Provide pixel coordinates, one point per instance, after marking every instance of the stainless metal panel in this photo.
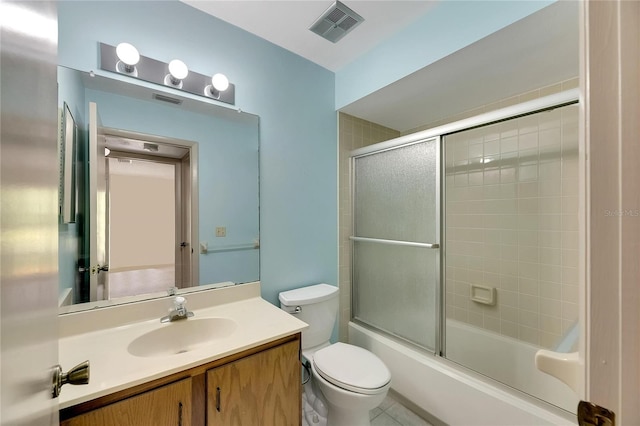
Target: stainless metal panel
(28, 212)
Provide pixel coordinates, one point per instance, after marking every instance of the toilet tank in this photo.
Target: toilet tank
(317, 305)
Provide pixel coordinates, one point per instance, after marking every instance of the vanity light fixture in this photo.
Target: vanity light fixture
(124, 59)
(219, 83)
(128, 58)
(178, 71)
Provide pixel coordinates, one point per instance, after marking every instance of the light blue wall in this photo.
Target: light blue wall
(293, 97)
(227, 174)
(71, 91)
(445, 29)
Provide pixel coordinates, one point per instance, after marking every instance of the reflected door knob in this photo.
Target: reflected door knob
(98, 268)
(78, 375)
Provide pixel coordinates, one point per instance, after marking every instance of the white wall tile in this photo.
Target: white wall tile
(529, 319)
(528, 334)
(509, 328)
(529, 286)
(550, 324)
(522, 188)
(550, 256)
(570, 293)
(551, 273)
(528, 124)
(550, 307)
(509, 282)
(508, 298)
(528, 190)
(550, 290)
(569, 311)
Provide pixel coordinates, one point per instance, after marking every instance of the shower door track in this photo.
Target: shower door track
(557, 100)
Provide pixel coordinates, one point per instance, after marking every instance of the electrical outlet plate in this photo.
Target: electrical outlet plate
(221, 231)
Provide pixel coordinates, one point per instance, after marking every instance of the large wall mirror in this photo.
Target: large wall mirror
(167, 194)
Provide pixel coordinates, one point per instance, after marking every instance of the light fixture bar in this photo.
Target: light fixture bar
(155, 71)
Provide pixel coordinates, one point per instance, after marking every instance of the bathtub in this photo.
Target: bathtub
(457, 396)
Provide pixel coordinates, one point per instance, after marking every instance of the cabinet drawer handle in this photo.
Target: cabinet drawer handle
(180, 414)
(218, 399)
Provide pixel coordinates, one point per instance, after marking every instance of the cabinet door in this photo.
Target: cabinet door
(260, 390)
(166, 406)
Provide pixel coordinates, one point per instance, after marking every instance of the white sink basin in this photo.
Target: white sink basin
(181, 336)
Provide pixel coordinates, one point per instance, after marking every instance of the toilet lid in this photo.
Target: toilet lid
(351, 367)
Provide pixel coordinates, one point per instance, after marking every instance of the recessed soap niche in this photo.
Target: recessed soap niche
(484, 295)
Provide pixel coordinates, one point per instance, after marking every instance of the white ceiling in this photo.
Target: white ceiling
(286, 24)
(538, 50)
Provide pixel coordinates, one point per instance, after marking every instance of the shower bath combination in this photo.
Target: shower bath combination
(469, 231)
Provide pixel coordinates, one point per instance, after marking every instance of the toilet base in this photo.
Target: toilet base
(346, 408)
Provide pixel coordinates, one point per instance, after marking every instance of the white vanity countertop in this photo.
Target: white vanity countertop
(113, 368)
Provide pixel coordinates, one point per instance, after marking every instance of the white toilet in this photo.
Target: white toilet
(350, 379)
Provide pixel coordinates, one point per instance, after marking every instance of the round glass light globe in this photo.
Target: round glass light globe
(220, 82)
(178, 69)
(127, 53)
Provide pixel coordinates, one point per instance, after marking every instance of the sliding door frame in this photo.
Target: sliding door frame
(554, 101)
(436, 244)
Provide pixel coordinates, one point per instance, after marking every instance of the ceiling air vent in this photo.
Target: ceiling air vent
(336, 22)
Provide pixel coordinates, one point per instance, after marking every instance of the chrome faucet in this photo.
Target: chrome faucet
(178, 312)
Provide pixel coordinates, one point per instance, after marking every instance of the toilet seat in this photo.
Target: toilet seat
(352, 368)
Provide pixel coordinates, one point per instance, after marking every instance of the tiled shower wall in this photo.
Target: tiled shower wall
(356, 133)
(511, 216)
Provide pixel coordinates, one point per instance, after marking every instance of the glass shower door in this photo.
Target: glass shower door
(395, 271)
(512, 248)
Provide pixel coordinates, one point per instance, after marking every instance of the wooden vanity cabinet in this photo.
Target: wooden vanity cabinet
(261, 389)
(166, 405)
(257, 387)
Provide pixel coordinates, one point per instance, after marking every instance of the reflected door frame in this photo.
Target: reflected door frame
(182, 261)
(189, 206)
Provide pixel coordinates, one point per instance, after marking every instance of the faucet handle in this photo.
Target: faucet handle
(179, 302)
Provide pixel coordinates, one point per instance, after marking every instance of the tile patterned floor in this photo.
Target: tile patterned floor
(393, 413)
